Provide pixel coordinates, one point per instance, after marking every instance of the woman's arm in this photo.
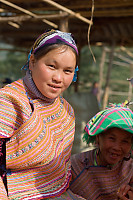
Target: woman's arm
(3, 194)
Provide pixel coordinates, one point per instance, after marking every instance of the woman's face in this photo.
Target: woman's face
(114, 144)
(53, 72)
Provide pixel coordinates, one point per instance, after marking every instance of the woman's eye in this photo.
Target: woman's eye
(68, 71)
(111, 138)
(52, 66)
(126, 141)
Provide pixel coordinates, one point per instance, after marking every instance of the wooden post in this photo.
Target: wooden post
(101, 73)
(63, 26)
(130, 85)
(106, 92)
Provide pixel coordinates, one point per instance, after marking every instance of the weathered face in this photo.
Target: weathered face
(53, 72)
(114, 145)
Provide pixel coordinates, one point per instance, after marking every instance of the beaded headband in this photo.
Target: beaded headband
(54, 37)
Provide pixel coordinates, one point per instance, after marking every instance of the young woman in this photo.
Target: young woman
(38, 124)
(106, 172)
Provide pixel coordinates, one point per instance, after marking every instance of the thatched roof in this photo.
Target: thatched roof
(112, 20)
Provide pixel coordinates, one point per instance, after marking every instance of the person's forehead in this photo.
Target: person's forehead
(118, 132)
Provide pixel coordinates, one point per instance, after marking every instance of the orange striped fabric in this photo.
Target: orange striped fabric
(41, 138)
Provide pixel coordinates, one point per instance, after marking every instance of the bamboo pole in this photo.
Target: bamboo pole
(129, 53)
(77, 15)
(111, 92)
(130, 61)
(121, 64)
(13, 24)
(111, 13)
(28, 12)
(27, 17)
(123, 58)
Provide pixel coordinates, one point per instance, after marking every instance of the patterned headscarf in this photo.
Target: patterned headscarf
(117, 115)
(54, 37)
(49, 38)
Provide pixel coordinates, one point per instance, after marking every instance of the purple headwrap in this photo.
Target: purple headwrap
(54, 37)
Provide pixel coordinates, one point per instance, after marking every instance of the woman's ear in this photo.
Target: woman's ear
(31, 62)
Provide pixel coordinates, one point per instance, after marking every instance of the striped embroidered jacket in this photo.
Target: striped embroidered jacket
(41, 133)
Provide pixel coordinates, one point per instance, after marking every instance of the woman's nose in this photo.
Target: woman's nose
(58, 76)
(118, 146)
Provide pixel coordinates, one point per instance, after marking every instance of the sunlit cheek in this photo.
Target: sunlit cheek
(68, 81)
(71, 79)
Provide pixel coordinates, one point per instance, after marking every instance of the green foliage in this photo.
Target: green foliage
(11, 63)
(121, 70)
(89, 69)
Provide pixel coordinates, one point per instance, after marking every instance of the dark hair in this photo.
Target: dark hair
(7, 80)
(47, 48)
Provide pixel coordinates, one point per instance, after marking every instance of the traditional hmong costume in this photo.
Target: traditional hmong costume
(40, 135)
(91, 180)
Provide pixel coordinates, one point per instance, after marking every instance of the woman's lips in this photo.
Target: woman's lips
(54, 86)
(114, 155)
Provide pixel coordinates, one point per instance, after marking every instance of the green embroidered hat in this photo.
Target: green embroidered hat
(117, 115)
